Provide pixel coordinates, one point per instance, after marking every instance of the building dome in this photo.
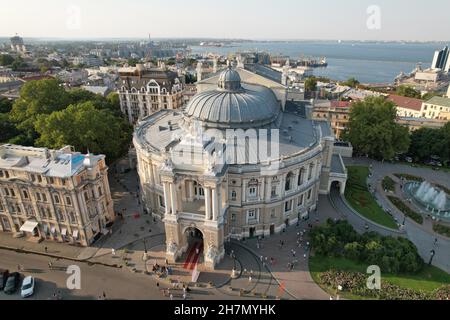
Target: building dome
(230, 80)
(234, 105)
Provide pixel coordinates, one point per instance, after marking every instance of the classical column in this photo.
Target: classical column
(215, 204)
(166, 197)
(191, 190)
(207, 203)
(173, 195)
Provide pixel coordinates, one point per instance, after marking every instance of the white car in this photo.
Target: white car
(27, 287)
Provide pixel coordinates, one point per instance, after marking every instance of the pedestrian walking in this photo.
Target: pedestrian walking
(197, 251)
(304, 256)
(113, 252)
(104, 295)
(171, 296)
(45, 249)
(50, 265)
(184, 296)
(157, 285)
(250, 279)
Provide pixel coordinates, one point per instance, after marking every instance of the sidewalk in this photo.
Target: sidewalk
(54, 249)
(298, 282)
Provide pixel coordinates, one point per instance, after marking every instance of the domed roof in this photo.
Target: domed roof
(230, 80)
(234, 105)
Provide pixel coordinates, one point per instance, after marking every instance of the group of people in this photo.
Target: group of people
(162, 270)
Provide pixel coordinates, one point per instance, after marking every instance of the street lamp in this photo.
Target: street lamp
(432, 253)
(145, 258)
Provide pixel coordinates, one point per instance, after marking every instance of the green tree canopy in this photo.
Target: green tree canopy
(36, 98)
(426, 142)
(310, 84)
(6, 59)
(85, 127)
(407, 91)
(373, 131)
(352, 82)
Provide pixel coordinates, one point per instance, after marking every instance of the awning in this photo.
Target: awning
(45, 228)
(75, 234)
(29, 226)
(63, 231)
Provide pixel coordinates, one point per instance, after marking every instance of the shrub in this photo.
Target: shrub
(356, 283)
(337, 239)
(388, 184)
(406, 210)
(441, 229)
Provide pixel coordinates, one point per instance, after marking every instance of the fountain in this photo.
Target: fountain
(430, 198)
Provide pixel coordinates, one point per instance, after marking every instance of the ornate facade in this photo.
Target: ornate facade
(144, 91)
(233, 164)
(54, 194)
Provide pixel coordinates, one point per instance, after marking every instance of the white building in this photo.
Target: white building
(57, 195)
(144, 91)
(236, 163)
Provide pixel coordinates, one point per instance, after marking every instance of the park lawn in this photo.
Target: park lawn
(362, 200)
(429, 279)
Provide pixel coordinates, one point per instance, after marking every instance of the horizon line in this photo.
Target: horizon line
(218, 38)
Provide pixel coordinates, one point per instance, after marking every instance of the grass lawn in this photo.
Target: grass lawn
(429, 279)
(362, 200)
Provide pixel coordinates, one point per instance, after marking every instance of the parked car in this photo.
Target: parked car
(409, 159)
(28, 285)
(3, 277)
(12, 283)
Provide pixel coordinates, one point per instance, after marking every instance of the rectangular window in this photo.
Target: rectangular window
(56, 197)
(252, 191)
(13, 194)
(300, 201)
(68, 201)
(273, 192)
(309, 194)
(44, 197)
(161, 202)
(288, 206)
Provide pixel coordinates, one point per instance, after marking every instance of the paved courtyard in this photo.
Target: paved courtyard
(264, 267)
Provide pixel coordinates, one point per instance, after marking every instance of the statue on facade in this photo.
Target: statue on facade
(172, 248)
(212, 252)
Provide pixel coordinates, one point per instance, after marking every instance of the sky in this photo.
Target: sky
(412, 20)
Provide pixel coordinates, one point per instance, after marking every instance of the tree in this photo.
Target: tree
(407, 91)
(7, 128)
(85, 127)
(6, 59)
(426, 142)
(310, 84)
(352, 82)
(373, 131)
(36, 98)
(5, 105)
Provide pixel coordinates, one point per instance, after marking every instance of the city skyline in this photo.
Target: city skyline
(381, 21)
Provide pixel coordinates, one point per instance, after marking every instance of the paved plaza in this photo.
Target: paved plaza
(274, 267)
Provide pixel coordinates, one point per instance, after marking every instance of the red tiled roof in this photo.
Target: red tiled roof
(340, 104)
(405, 102)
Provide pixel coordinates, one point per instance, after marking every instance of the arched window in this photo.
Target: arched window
(301, 175)
(289, 178)
(311, 169)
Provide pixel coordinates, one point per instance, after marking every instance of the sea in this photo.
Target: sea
(368, 62)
